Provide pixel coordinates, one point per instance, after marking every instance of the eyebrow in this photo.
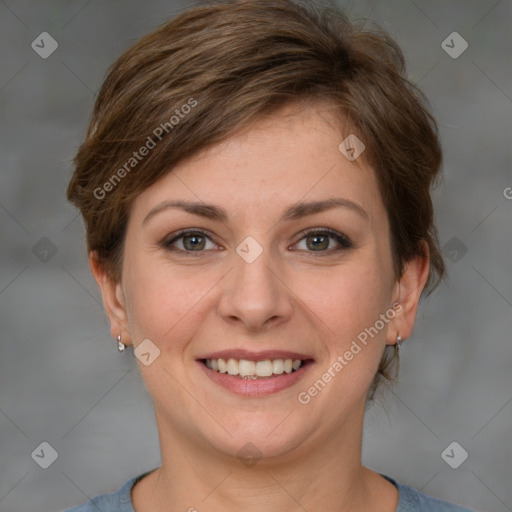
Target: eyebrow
(294, 212)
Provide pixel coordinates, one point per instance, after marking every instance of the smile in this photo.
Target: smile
(255, 374)
(246, 369)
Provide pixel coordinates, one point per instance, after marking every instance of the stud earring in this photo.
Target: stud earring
(120, 346)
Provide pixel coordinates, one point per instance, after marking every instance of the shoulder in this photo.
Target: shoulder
(117, 501)
(412, 500)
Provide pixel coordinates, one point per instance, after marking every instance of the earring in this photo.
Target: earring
(120, 346)
(398, 341)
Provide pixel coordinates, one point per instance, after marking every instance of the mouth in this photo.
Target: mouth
(254, 374)
(252, 370)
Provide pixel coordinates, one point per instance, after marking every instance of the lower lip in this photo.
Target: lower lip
(256, 387)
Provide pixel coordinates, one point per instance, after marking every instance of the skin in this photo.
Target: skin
(290, 298)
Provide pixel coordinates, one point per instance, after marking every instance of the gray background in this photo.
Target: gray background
(61, 378)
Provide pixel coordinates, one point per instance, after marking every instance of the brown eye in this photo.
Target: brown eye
(321, 241)
(189, 241)
(317, 242)
(193, 242)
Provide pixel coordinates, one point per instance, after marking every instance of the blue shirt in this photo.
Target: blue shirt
(409, 500)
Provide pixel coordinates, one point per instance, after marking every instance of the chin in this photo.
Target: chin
(256, 435)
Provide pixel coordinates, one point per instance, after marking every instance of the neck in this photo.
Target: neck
(327, 475)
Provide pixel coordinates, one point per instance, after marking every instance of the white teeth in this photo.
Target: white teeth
(223, 367)
(233, 367)
(278, 366)
(264, 368)
(246, 369)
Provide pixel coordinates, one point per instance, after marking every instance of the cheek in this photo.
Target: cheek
(168, 303)
(351, 299)
(348, 305)
(164, 301)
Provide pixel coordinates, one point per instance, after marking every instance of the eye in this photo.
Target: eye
(316, 240)
(190, 241)
(319, 240)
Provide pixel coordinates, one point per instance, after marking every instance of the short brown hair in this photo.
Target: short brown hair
(223, 65)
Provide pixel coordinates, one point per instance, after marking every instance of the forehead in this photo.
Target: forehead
(289, 156)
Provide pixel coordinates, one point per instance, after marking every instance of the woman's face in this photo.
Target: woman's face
(245, 278)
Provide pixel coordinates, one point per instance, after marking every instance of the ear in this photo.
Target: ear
(113, 299)
(408, 293)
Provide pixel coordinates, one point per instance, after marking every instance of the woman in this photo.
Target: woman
(255, 184)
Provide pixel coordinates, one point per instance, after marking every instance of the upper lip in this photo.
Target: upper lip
(255, 356)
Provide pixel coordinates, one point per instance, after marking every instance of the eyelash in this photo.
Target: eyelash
(343, 240)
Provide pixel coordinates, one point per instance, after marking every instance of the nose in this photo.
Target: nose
(255, 295)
